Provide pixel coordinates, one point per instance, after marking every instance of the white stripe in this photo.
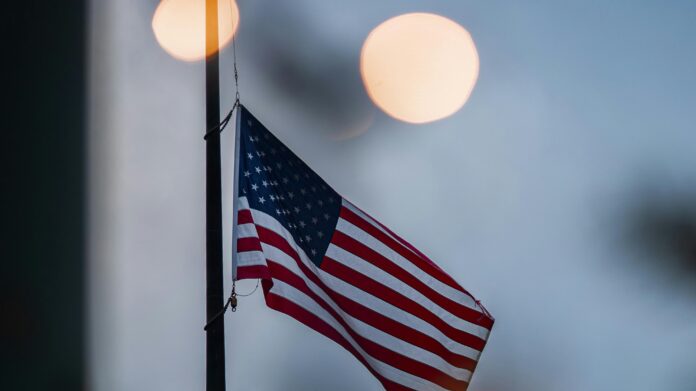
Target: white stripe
(353, 293)
(365, 330)
(396, 314)
(248, 258)
(243, 203)
(349, 205)
(251, 258)
(282, 289)
(264, 220)
(370, 241)
(247, 231)
(358, 264)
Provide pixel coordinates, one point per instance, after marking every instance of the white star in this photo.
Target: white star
(309, 205)
(314, 252)
(273, 151)
(277, 211)
(264, 183)
(258, 170)
(303, 191)
(247, 173)
(326, 216)
(315, 220)
(320, 234)
(272, 197)
(308, 238)
(251, 138)
(285, 180)
(249, 122)
(254, 187)
(302, 224)
(250, 156)
(291, 195)
(320, 202)
(297, 210)
(261, 200)
(279, 165)
(314, 189)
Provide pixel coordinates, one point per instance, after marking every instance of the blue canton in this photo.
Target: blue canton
(277, 182)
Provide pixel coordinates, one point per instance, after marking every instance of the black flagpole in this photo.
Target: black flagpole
(215, 333)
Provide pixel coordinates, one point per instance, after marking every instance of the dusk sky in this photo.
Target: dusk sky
(582, 114)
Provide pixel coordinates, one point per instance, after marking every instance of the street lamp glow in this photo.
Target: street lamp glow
(419, 67)
(179, 27)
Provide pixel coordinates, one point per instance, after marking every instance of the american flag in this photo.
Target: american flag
(334, 268)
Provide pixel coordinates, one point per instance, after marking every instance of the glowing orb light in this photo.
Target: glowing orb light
(179, 27)
(419, 67)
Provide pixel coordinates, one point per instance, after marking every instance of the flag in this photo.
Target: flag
(334, 268)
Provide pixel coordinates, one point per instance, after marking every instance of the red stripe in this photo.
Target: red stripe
(248, 244)
(410, 247)
(244, 217)
(288, 307)
(396, 299)
(402, 248)
(369, 255)
(365, 314)
(375, 350)
(419, 259)
(255, 271)
(401, 331)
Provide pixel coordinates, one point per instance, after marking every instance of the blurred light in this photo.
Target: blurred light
(419, 67)
(179, 26)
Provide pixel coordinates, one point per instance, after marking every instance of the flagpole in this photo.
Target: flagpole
(235, 188)
(215, 333)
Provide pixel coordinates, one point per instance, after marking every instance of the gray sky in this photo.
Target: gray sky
(581, 110)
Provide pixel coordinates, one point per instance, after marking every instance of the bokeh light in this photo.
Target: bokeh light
(419, 67)
(179, 26)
